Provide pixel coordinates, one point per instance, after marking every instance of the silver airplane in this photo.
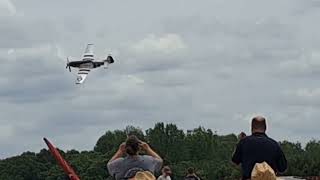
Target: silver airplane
(87, 63)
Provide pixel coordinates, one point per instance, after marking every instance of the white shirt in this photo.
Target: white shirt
(162, 177)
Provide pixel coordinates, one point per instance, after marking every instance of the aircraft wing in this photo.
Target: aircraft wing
(88, 53)
(82, 75)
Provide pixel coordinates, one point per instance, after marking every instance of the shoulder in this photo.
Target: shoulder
(116, 161)
(115, 165)
(275, 144)
(249, 140)
(164, 178)
(160, 177)
(257, 138)
(273, 141)
(148, 158)
(245, 140)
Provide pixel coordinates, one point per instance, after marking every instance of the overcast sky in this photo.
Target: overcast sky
(212, 63)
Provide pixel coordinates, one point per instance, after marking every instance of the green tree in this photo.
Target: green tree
(110, 141)
(208, 152)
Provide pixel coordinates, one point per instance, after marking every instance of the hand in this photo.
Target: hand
(144, 146)
(121, 151)
(242, 135)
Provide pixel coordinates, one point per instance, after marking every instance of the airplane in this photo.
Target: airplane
(87, 63)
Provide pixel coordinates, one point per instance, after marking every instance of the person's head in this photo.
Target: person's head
(258, 124)
(190, 170)
(143, 175)
(166, 170)
(262, 171)
(132, 145)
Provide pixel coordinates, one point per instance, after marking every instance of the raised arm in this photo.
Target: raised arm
(120, 152)
(236, 156)
(144, 146)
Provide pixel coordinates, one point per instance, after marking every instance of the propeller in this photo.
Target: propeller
(61, 55)
(68, 64)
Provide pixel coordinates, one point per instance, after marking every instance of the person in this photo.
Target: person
(143, 175)
(258, 148)
(191, 175)
(126, 167)
(166, 172)
(262, 171)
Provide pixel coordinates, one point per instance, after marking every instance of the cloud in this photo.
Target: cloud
(307, 63)
(6, 132)
(308, 93)
(7, 8)
(135, 79)
(10, 51)
(23, 32)
(37, 72)
(303, 97)
(205, 64)
(167, 43)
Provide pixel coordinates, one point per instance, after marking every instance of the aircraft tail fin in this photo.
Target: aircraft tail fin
(109, 59)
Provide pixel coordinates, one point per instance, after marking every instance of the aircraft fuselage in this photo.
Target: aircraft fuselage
(88, 63)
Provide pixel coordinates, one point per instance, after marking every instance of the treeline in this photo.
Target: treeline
(201, 148)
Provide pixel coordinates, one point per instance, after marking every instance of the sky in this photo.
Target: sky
(209, 63)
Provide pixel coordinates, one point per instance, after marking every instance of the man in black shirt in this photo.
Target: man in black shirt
(258, 148)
